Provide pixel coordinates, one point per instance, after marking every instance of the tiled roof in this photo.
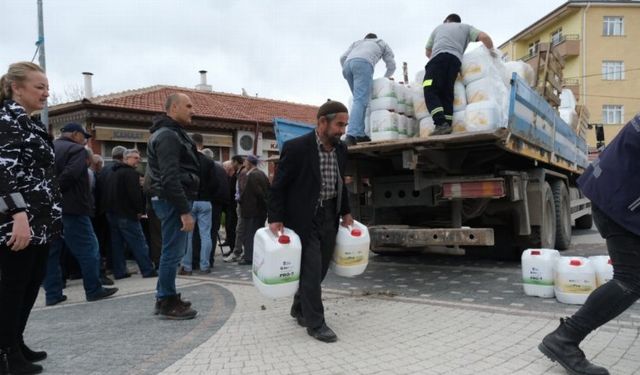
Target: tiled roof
(216, 105)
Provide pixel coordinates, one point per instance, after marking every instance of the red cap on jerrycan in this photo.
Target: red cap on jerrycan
(355, 232)
(284, 239)
(575, 262)
(535, 252)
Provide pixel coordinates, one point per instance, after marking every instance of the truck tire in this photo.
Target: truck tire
(544, 236)
(584, 222)
(563, 214)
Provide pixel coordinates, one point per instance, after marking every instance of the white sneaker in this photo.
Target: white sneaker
(231, 258)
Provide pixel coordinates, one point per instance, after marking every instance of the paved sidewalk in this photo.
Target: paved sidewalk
(238, 331)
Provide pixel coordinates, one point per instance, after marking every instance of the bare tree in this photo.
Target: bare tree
(70, 93)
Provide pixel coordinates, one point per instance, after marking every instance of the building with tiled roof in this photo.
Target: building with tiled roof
(228, 122)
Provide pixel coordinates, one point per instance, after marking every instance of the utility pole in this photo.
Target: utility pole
(44, 117)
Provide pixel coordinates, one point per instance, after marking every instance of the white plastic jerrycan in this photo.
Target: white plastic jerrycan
(604, 268)
(538, 267)
(575, 280)
(276, 262)
(351, 255)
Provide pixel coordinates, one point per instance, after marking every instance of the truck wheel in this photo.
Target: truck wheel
(544, 236)
(584, 222)
(563, 214)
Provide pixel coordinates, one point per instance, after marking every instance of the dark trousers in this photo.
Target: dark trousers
(230, 223)
(317, 250)
(252, 224)
(21, 275)
(153, 232)
(439, 77)
(216, 213)
(102, 231)
(614, 297)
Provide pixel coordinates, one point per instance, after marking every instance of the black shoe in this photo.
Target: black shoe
(13, 362)
(104, 293)
(442, 129)
(297, 315)
(104, 280)
(151, 274)
(125, 276)
(561, 346)
(30, 355)
(322, 333)
(57, 301)
(174, 308)
(350, 140)
(183, 272)
(244, 262)
(204, 272)
(363, 139)
(184, 302)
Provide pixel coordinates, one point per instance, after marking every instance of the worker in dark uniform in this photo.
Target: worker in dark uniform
(444, 49)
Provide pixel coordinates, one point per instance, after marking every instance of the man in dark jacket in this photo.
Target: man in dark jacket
(201, 211)
(77, 209)
(173, 173)
(309, 195)
(219, 201)
(124, 210)
(253, 205)
(611, 183)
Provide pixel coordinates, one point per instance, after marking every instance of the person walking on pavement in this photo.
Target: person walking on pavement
(77, 209)
(445, 48)
(201, 212)
(253, 205)
(230, 213)
(309, 196)
(358, 63)
(30, 214)
(611, 183)
(173, 172)
(241, 180)
(124, 211)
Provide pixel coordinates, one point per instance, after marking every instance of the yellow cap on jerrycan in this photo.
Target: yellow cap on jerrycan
(351, 254)
(276, 262)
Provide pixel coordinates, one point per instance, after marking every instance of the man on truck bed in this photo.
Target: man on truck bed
(357, 68)
(444, 49)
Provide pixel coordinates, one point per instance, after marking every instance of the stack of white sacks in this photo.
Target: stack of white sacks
(567, 108)
(481, 99)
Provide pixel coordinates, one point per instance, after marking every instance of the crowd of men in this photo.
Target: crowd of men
(108, 214)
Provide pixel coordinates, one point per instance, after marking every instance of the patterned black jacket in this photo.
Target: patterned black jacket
(27, 173)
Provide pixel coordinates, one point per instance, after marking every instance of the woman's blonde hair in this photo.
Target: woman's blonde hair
(17, 73)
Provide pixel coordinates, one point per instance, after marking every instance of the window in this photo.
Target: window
(612, 114)
(533, 48)
(612, 70)
(613, 26)
(556, 37)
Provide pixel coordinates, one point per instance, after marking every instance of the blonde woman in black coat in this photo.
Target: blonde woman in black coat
(30, 213)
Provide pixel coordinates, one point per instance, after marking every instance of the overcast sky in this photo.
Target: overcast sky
(278, 49)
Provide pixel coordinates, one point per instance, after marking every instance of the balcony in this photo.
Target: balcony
(567, 45)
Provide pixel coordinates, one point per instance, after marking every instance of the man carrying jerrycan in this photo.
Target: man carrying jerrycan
(308, 195)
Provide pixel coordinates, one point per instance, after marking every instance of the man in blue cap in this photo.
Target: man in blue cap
(77, 209)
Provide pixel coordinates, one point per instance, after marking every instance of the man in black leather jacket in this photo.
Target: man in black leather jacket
(173, 172)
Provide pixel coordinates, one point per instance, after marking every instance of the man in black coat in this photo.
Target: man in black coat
(124, 209)
(309, 195)
(174, 181)
(77, 209)
(253, 205)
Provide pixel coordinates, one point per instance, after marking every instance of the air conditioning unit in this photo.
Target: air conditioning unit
(244, 143)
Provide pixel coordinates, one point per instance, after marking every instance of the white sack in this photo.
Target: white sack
(484, 115)
(426, 127)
